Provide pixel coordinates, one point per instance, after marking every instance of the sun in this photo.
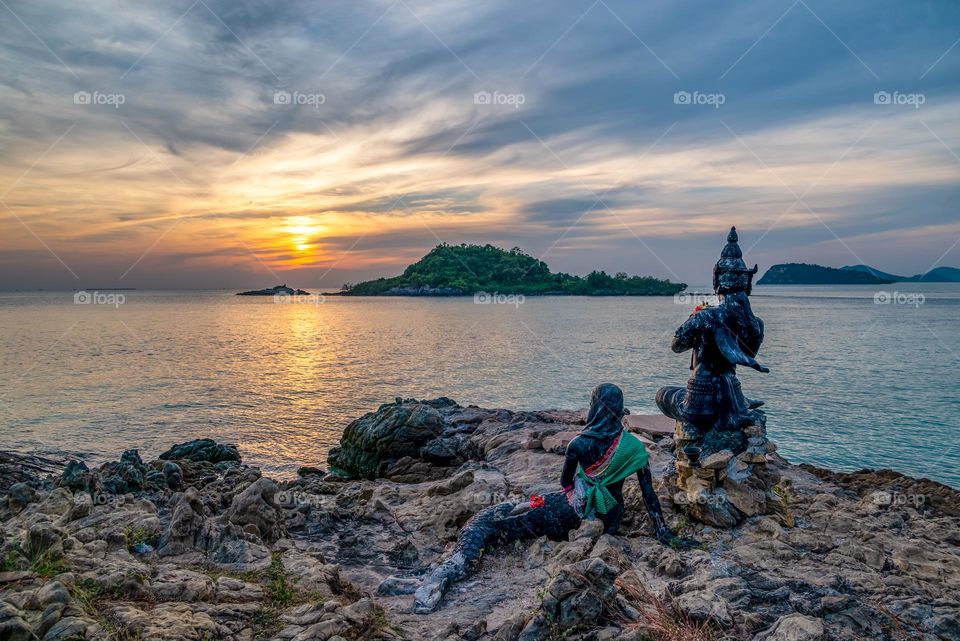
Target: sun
(301, 230)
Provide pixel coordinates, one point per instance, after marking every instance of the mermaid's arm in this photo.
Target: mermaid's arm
(569, 469)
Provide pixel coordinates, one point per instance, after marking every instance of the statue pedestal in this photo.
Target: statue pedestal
(723, 476)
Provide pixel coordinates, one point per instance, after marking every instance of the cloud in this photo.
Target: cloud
(382, 109)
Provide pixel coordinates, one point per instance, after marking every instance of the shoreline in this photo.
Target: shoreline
(197, 545)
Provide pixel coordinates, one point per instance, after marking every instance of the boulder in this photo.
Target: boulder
(202, 449)
(794, 627)
(257, 506)
(373, 442)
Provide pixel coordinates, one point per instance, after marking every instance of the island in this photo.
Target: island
(279, 290)
(935, 275)
(464, 270)
(805, 274)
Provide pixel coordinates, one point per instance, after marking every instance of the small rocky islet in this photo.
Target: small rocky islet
(198, 545)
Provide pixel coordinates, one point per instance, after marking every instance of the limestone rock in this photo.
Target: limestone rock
(257, 506)
(794, 627)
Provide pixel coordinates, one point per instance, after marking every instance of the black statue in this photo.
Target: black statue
(596, 465)
(712, 405)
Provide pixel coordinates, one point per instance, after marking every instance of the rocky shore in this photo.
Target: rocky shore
(198, 545)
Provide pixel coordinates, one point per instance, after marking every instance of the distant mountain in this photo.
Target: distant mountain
(463, 270)
(939, 275)
(936, 275)
(876, 272)
(804, 274)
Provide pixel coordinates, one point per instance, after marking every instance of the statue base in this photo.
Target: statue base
(723, 476)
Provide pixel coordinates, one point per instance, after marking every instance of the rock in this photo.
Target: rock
(44, 539)
(20, 495)
(231, 590)
(704, 606)
(794, 627)
(203, 449)
(307, 470)
(66, 629)
(173, 474)
(373, 442)
(396, 586)
(717, 460)
(187, 518)
(580, 592)
(744, 490)
(257, 506)
(76, 475)
(12, 624)
(175, 584)
(557, 443)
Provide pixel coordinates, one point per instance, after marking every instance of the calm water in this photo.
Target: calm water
(852, 383)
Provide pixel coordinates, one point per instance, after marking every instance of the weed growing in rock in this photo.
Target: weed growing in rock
(281, 593)
(659, 620)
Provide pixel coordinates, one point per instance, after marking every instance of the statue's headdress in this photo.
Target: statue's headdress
(730, 274)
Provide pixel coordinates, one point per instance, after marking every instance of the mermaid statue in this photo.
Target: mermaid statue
(596, 465)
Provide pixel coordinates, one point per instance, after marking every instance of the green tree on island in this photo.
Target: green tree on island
(468, 269)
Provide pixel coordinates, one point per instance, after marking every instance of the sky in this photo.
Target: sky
(246, 143)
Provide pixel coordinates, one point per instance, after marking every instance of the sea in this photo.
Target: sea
(860, 377)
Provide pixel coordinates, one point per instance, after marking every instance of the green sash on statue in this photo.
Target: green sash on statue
(629, 457)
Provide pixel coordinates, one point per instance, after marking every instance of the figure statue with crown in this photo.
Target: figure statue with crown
(721, 445)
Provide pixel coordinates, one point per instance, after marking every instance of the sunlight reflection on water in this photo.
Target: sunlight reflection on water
(853, 383)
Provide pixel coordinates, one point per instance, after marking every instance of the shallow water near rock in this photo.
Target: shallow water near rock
(853, 383)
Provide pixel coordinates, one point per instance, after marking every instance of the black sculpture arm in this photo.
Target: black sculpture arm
(570, 463)
(686, 335)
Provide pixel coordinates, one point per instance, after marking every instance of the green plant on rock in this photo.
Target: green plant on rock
(280, 591)
(786, 497)
(48, 565)
(11, 561)
(137, 535)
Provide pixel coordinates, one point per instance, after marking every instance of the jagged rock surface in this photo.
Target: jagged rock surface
(216, 551)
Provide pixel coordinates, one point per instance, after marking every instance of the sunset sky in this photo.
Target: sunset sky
(238, 143)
